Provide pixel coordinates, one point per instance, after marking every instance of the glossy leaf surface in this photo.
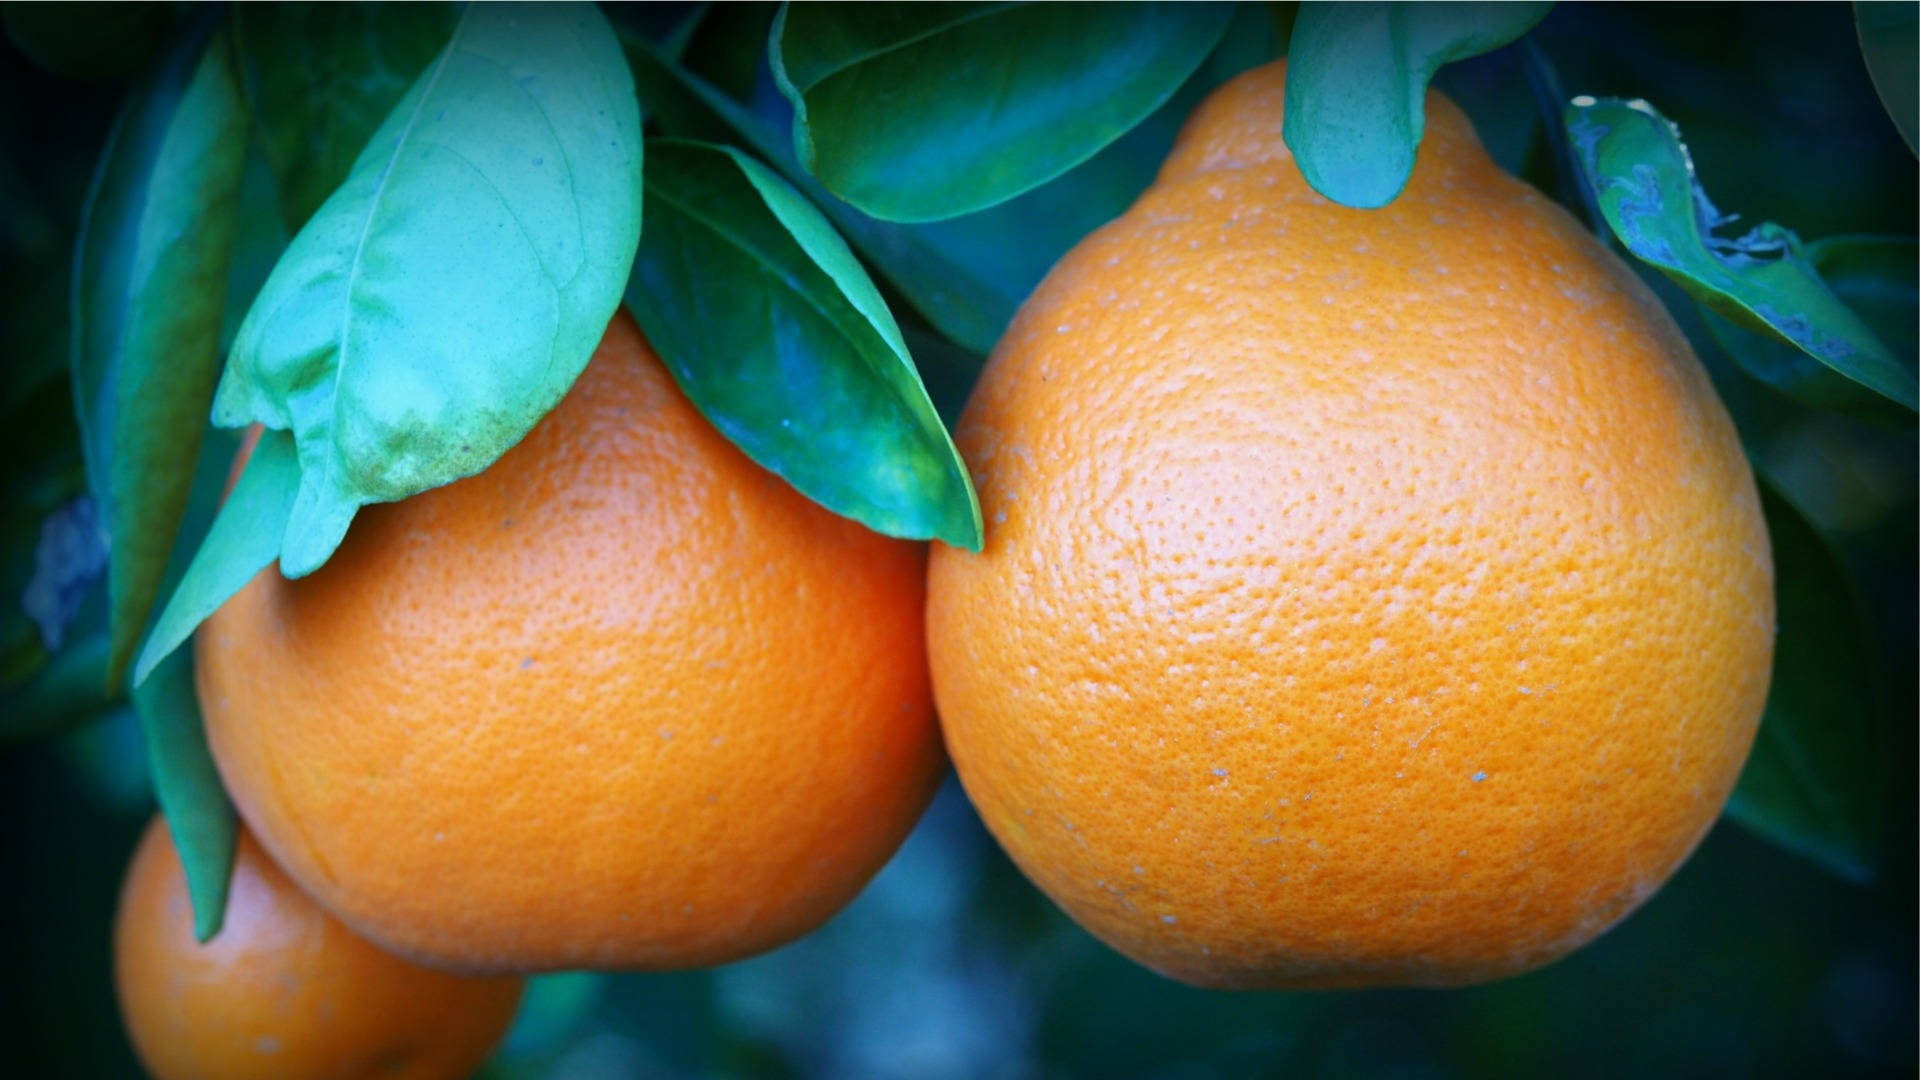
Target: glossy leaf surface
(444, 298)
(916, 112)
(149, 291)
(321, 78)
(1357, 77)
(1643, 178)
(243, 540)
(774, 330)
(1875, 276)
(199, 815)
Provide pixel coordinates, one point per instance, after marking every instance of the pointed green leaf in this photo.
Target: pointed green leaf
(965, 275)
(1357, 77)
(1817, 780)
(198, 814)
(1643, 178)
(959, 302)
(149, 289)
(446, 296)
(1890, 43)
(776, 333)
(242, 542)
(917, 112)
(321, 78)
(1876, 277)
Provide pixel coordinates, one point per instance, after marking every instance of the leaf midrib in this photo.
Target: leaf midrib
(366, 227)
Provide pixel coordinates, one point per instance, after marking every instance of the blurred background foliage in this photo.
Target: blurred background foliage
(1754, 961)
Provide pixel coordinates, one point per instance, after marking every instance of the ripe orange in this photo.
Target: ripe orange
(1369, 597)
(623, 700)
(283, 991)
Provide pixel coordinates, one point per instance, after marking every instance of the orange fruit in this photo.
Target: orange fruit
(1368, 597)
(284, 991)
(622, 700)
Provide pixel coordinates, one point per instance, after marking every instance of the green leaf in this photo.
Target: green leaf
(960, 303)
(149, 289)
(321, 78)
(1817, 780)
(1643, 178)
(776, 333)
(1357, 77)
(1890, 44)
(242, 542)
(80, 41)
(1876, 277)
(198, 814)
(917, 112)
(445, 297)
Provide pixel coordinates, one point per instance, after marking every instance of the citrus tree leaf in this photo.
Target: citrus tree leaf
(1357, 77)
(1817, 780)
(242, 541)
(916, 112)
(321, 78)
(1643, 178)
(198, 813)
(775, 331)
(1875, 276)
(959, 303)
(149, 291)
(965, 275)
(444, 298)
(1890, 44)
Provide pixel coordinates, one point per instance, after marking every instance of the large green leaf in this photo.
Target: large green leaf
(1875, 276)
(959, 302)
(965, 275)
(198, 814)
(1644, 181)
(321, 78)
(149, 288)
(776, 333)
(1890, 43)
(916, 112)
(1817, 780)
(1357, 78)
(444, 298)
(242, 541)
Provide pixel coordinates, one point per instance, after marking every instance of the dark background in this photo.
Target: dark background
(1751, 962)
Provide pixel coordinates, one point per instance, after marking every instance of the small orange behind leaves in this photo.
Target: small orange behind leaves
(283, 991)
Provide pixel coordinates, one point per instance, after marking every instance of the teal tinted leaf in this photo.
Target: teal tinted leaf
(959, 302)
(916, 112)
(1817, 780)
(1875, 277)
(1357, 78)
(85, 41)
(1890, 44)
(199, 816)
(242, 541)
(444, 298)
(776, 333)
(1643, 178)
(321, 78)
(149, 289)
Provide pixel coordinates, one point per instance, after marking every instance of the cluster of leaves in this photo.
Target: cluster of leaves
(392, 236)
